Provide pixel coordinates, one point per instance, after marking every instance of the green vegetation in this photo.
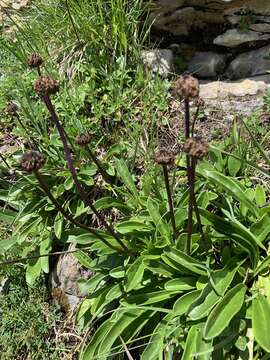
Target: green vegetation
(27, 323)
(178, 241)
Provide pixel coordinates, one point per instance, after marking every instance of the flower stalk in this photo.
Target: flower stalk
(45, 88)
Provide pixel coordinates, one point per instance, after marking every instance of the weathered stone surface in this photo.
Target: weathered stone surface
(64, 281)
(221, 90)
(159, 61)
(207, 64)
(235, 37)
(263, 27)
(256, 62)
(179, 17)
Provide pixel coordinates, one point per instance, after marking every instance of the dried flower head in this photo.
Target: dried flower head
(186, 87)
(199, 102)
(196, 148)
(34, 60)
(12, 109)
(46, 85)
(83, 139)
(32, 161)
(164, 157)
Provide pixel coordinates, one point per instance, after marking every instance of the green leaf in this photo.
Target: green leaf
(148, 298)
(239, 234)
(58, 225)
(126, 177)
(154, 349)
(161, 225)
(261, 321)
(116, 330)
(8, 243)
(260, 195)
(190, 344)
(262, 266)
(234, 165)
(184, 302)
(89, 352)
(110, 202)
(45, 248)
(129, 226)
(83, 259)
(33, 271)
(209, 297)
(173, 256)
(134, 274)
(7, 216)
(224, 312)
(231, 186)
(181, 284)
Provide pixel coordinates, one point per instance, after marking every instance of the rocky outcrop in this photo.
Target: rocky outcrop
(181, 16)
(231, 36)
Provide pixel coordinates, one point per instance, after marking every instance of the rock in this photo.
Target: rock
(179, 17)
(263, 27)
(222, 90)
(207, 64)
(159, 61)
(252, 63)
(64, 278)
(235, 37)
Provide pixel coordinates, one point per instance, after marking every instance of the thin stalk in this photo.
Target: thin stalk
(195, 205)
(73, 172)
(187, 119)
(70, 218)
(170, 200)
(4, 161)
(189, 177)
(18, 260)
(108, 178)
(194, 120)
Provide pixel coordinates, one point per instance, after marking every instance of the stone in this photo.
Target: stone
(207, 64)
(263, 27)
(179, 17)
(159, 61)
(252, 63)
(235, 37)
(221, 90)
(64, 282)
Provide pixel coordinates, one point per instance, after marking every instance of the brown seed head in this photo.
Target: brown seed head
(196, 148)
(164, 157)
(46, 85)
(34, 61)
(12, 109)
(186, 87)
(199, 102)
(83, 139)
(32, 161)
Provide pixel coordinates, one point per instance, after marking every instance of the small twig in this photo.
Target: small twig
(73, 172)
(170, 200)
(34, 257)
(110, 179)
(4, 161)
(45, 188)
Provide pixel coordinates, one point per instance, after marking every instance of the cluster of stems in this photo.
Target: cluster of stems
(191, 162)
(86, 200)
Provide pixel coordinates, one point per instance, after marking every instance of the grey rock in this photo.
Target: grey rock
(263, 27)
(252, 63)
(179, 17)
(159, 61)
(207, 64)
(222, 90)
(64, 281)
(235, 37)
